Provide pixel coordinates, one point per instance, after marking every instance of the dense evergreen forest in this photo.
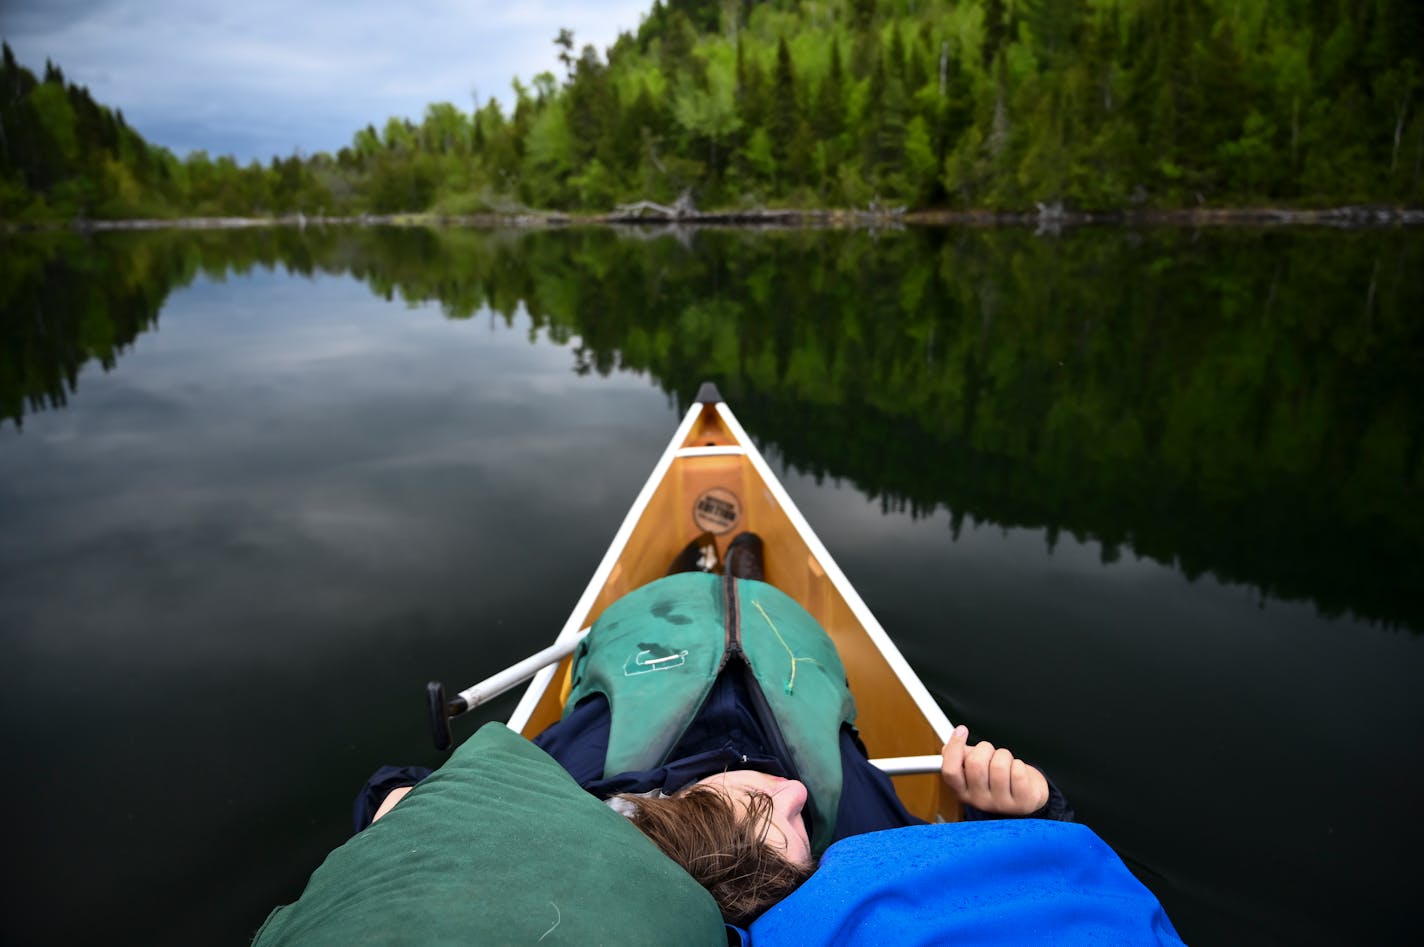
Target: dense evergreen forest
(996, 104)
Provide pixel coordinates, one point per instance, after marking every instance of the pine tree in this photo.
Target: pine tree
(995, 29)
(784, 115)
(828, 115)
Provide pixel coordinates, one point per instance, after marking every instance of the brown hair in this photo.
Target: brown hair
(725, 853)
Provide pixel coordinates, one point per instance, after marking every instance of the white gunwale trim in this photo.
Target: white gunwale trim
(576, 619)
(721, 450)
(911, 681)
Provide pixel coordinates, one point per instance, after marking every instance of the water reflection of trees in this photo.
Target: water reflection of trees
(1245, 403)
(64, 302)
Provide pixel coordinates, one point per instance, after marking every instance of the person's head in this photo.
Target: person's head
(739, 834)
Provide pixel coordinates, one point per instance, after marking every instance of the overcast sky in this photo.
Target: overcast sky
(266, 77)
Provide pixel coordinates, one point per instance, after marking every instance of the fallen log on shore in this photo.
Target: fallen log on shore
(684, 211)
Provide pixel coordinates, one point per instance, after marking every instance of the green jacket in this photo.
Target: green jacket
(655, 653)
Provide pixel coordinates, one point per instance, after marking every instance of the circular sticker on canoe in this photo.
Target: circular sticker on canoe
(717, 510)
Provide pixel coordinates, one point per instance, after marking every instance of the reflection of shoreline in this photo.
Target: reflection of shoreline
(1050, 217)
(1342, 564)
(1246, 410)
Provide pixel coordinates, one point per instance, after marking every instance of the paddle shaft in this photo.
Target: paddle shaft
(442, 711)
(908, 765)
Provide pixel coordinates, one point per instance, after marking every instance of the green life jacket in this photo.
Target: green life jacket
(655, 653)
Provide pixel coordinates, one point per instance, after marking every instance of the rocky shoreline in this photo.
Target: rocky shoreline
(1045, 218)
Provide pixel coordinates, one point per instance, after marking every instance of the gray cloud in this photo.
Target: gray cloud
(269, 77)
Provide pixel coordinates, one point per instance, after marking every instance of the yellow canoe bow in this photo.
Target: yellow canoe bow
(712, 478)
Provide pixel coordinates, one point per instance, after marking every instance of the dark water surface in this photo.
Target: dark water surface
(1145, 507)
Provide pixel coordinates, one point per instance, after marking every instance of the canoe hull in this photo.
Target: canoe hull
(712, 478)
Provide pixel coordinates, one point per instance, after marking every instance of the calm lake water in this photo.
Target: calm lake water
(1146, 507)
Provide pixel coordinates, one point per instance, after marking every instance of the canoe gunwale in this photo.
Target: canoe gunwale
(878, 636)
(727, 439)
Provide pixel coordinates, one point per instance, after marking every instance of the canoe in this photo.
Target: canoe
(712, 478)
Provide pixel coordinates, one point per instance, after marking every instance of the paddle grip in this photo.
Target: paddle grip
(440, 713)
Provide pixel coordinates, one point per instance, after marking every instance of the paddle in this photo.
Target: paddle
(443, 711)
(907, 765)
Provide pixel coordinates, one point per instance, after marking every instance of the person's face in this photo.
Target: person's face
(787, 831)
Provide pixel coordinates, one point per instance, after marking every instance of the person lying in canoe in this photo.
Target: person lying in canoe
(713, 712)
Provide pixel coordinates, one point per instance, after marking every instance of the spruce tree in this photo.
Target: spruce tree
(784, 114)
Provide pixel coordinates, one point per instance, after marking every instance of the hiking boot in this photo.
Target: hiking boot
(744, 558)
(700, 555)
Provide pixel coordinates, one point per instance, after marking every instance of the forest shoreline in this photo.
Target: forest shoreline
(1047, 218)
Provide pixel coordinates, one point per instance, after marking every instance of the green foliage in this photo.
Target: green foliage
(1096, 104)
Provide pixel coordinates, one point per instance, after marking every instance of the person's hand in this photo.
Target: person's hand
(991, 780)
